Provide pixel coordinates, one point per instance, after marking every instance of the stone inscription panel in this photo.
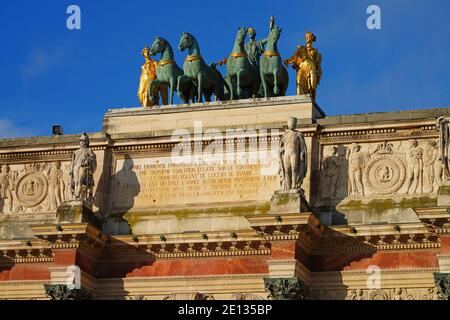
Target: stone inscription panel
(143, 183)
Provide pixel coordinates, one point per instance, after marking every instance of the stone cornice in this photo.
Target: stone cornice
(210, 106)
(436, 219)
(390, 133)
(26, 251)
(186, 245)
(68, 236)
(288, 227)
(375, 238)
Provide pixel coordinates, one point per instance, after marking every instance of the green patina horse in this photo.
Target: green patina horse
(207, 79)
(243, 77)
(274, 76)
(169, 73)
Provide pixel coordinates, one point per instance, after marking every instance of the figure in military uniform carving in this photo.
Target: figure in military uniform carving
(83, 166)
(293, 157)
(307, 61)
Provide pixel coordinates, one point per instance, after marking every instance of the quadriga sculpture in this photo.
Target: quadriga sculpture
(169, 73)
(208, 79)
(274, 76)
(242, 76)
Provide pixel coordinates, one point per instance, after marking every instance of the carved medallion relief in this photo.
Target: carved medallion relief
(407, 167)
(31, 188)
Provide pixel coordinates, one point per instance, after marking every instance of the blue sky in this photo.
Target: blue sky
(51, 75)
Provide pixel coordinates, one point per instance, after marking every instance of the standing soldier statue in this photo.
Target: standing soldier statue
(444, 145)
(293, 157)
(83, 166)
(307, 61)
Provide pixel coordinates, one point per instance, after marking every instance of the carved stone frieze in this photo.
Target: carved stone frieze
(375, 170)
(189, 296)
(386, 294)
(33, 187)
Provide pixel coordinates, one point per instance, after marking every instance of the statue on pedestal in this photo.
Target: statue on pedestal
(444, 144)
(147, 97)
(82, 168)
(307, 61)
(293, 157)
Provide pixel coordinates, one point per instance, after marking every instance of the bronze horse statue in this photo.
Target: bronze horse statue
(242, 76)
(274, 76)
(208, 79)
(169, 73)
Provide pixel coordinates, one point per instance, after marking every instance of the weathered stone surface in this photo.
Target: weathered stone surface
(288, 201)
(253, 113)
(76, 211)
(443, 198)
(213, 226)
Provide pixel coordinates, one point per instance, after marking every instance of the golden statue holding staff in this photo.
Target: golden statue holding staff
(150, 99)
(307, 61)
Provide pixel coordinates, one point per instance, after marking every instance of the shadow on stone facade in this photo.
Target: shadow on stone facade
(124, 188)
(336, 252)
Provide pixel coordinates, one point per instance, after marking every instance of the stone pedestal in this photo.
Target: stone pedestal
(76, 212)
(288, 201)
(444, 194)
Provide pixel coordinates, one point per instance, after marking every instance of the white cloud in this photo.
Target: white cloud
(42, 59)
(9, 130)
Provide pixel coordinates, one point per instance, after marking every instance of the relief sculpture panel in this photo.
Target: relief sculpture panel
(410, 167)
(32, 187)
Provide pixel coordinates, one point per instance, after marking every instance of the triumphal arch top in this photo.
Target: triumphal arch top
(236, 192)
